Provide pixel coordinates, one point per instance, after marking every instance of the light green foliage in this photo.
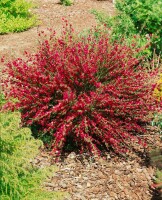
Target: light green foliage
(19, 179)
(66, 2)
(15, 16)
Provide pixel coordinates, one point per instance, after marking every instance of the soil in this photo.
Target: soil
(50, 14)
(83, 177)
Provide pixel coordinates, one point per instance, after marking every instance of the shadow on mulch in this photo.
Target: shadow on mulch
(156, 196)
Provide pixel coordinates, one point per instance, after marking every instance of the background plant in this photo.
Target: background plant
(146, 16)
(158, 89)
(157, 121)
(19, 179)
(87, 89)
(122, 29)
(141, 18)
(159, 177)
(67, 2)
(15, 16)
(156, 161)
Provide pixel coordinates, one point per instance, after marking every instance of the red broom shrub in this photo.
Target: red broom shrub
(86, 89)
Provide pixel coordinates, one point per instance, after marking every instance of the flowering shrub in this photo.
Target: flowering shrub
(85, 89)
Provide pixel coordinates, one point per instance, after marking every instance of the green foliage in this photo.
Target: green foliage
(66, 2)
(157, 121)
(156, 158)
(122, 29)
(159, 177)
(19, 179)
(146, 16)
(2, 100)
(141, 19)
(15, 16)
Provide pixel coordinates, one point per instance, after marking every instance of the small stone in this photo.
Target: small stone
(72, 155)
(79, 186)
(132, 183)
(117, 172)
(101, 175)
(139, 170)
(80, 196)
(112, 194)
(85, 178)
(126, 172)
(63, 185)
(95, 190)
(88, 184)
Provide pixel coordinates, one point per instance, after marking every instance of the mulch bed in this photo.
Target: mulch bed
(87, 177)
(82, 176)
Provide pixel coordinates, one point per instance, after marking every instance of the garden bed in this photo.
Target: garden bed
(88, 178)
(82, 176)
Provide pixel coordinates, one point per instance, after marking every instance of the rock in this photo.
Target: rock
(63, 185)
(101, 175)
(112, 194)
(79, 186)
(118, 172)
(132, 183)
(72, 155)
(94, 190)
(126, 172)
(88, 184)
(139, 170)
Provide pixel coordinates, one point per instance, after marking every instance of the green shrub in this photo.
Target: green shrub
(66, 2)
(141, 19)
(19, 179)
(15, 16)
(122, 29)
(146, 16)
